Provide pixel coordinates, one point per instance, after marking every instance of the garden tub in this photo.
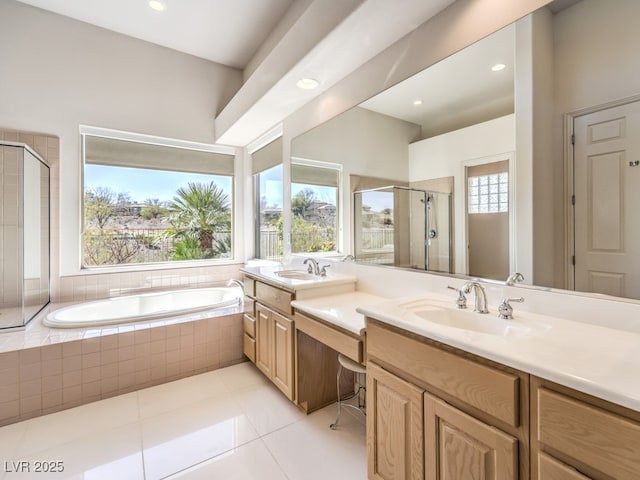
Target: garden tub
(142, 307)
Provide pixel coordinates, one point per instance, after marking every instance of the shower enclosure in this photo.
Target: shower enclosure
(24, 234)
(404, 227)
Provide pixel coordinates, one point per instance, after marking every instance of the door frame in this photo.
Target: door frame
(462, 224)
(569, 175)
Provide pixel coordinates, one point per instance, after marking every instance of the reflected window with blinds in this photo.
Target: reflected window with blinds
(315, 190)
(151, 202)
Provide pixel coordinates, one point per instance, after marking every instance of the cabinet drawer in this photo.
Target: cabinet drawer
(250, 307)
(485, 388)
(274, 297)
(593, 436)
(249, 325)
(249, 347)
(249, 286)
(339, 341)
(551, 469)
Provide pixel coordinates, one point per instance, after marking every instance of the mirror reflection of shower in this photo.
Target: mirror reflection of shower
(403, 227)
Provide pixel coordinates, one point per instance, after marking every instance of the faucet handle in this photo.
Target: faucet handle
(461, 301)
(505, 310)
(323, 270)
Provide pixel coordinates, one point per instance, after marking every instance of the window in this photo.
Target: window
(147, 203)
(489, 193)
(314, 206)
(269, 237)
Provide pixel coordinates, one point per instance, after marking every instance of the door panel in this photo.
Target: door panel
(283, 354)
(460, 447)
(607, 195)
(263, 340)
(395, 426)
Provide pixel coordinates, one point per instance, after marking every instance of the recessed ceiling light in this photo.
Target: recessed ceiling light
(307, 83)
(498, 66)
(417, 102)
(157, 5)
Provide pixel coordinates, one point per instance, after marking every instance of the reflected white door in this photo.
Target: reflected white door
(607, 201)
(488, 220)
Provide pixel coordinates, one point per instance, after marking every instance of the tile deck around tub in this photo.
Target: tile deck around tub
(44, 370)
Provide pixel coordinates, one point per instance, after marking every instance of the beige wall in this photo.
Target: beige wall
(59, 73)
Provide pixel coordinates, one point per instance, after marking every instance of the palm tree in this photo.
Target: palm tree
(200, 210)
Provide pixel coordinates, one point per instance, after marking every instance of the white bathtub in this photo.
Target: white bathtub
(142, 307)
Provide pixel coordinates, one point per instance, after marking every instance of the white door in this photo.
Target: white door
(607, 201)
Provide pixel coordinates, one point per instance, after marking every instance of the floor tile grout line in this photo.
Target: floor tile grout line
(275, 459)
(144, 467)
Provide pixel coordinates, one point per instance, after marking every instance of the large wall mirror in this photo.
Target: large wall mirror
(493, 126)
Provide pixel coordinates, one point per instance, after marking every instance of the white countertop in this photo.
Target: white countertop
(270, 274)
(339, 309)
(597, 360)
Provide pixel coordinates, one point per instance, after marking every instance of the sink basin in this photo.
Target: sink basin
(295, 274)
(471, 321)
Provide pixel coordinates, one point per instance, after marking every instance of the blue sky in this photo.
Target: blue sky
(142, 184)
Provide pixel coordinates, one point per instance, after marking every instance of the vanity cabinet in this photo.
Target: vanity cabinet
(269, 333)
(274, 348)
(581, 437)
(435, 412)
(395, 427)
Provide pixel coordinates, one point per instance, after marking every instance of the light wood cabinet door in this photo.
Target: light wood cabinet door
(274, 348)
(395, 436)
(282, 368)
(264, 342)
(460, 447)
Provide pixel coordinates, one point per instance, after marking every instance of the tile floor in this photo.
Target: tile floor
(229, 424)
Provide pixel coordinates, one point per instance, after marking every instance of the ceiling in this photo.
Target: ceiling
(326, 39)
(463, 83)
(222, 31)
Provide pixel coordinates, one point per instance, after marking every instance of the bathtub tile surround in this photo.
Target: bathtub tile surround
(95, 286)
(210, 425)
(44, 370)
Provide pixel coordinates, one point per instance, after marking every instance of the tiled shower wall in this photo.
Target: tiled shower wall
(9, 193)
(105, 285)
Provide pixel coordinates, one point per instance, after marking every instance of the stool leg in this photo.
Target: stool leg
(334, 425)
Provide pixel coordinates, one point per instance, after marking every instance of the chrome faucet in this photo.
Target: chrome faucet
(515, 277)
(505, 310)
(480, 294)
(461, 300)
(313, 267)
(233, 281)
